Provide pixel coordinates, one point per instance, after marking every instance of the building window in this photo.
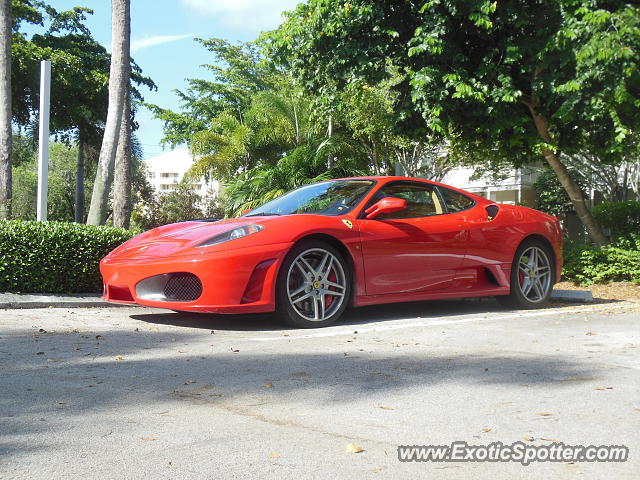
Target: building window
(166, 188)
(168, 175)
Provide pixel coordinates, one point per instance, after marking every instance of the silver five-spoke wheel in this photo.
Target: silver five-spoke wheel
(316, 284)
(534, 274)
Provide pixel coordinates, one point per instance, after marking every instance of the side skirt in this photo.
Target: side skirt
(364, 300)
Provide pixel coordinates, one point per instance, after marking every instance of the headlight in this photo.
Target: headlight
(232, 234)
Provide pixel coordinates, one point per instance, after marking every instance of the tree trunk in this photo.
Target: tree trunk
(122, 177)
(5, 109)
(79, 207)
(571, 187)
(118, 88)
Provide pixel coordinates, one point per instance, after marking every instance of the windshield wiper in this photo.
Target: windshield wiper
(265, 214)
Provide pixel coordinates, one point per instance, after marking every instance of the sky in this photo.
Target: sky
(162, 33)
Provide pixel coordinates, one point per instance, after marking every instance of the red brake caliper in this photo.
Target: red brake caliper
(520, 276)
(328, 299)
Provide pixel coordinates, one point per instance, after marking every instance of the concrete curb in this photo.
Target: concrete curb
(26, 300)
(86, 300)
(582, 296)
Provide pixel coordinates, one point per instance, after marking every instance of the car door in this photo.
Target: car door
(417, 249)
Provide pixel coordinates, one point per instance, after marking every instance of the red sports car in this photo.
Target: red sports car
(313, 252)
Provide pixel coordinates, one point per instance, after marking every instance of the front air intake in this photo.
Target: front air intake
(183, 287)
(170, 287)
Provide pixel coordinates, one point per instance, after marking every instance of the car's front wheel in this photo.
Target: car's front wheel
(314, 285)
(532, 276)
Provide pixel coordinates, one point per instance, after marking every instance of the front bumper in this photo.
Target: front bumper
(233, 281)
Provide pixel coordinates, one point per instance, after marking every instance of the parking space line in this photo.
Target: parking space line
(457, 319)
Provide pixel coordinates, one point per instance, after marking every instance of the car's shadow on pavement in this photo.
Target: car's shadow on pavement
(353, 317)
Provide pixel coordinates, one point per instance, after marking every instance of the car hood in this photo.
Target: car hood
(179, 238)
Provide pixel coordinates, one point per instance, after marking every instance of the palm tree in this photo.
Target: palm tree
(122, 177)
(5, 108)
(119, 76)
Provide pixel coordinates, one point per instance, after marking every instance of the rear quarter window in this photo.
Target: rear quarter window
(454, 201)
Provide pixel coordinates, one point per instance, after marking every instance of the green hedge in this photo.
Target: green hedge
(621, 218)
(587, 264)
(54, 257)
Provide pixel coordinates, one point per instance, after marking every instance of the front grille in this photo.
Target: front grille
(183, 287)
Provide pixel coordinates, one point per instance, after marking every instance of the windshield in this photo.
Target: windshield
(334, 197)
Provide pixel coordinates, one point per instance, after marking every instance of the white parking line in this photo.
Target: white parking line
(383, 326)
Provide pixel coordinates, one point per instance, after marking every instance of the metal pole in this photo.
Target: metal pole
(43, 140)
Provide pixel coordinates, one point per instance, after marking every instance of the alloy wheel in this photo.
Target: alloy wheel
(534, 274)
(316, 284)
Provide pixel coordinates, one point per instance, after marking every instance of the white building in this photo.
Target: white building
(166, 170)
(516, 188)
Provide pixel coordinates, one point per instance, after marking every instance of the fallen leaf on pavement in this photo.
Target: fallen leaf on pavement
(384, 407)
(268, 385)
(527, 438)
(352, 448)
(486, 429)
(544, 414)
(376, 470)
(234, 350)
(549, 439)
(119, 357)
(591, 334)
(40, 353)
(604, 388)
(274, 455)
(147, 439)
(42, 330)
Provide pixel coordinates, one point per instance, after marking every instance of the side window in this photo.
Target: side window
(454, 201)
(422, 200)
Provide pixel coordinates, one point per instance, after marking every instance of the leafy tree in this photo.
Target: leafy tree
(80, 76)
(239, 71)
(516, 78)
(62, 171)
(61, 191)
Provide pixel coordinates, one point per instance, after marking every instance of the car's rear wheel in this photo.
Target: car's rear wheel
(314, 285)
(532, 276)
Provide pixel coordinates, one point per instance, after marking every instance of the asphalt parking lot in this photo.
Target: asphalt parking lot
(141, 393)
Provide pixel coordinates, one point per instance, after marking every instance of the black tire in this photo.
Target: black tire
(531, 281)
(306, 298)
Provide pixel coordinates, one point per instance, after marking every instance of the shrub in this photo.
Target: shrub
(54, 257)
(621, 218)
(588, 264)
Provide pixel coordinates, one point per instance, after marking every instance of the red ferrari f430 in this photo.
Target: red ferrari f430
(317, 250)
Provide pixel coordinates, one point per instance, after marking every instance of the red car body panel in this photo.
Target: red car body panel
(454, 255)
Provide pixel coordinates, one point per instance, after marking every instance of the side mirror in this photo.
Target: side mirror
(386, 205)
(244, 212)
